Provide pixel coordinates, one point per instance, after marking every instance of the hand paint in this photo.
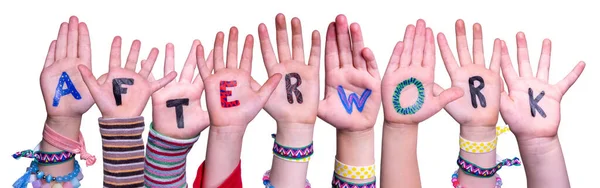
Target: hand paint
(225, 93)
(293, 88)
(533, 103)
(61, 91)
(178, 104)
(353, 98)
(118, 90)
(420, 100)
(476, 91)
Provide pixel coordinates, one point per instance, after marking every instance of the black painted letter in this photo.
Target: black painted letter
(118, 90)
(476, 91)
(293, 88)
(533, 103)
(178, 104)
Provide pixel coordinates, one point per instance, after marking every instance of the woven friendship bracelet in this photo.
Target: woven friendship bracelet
(301, 154)
(354, 172)
(46, 158)
(337, 182)
(474, 170)
(482, 147)
(456, 184)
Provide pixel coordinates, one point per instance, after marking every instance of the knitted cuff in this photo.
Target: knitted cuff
(123, 151)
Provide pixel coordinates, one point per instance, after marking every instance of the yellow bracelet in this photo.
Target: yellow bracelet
(354, 172)
(482, 147)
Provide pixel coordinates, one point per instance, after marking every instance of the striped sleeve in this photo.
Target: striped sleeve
(165, 160)
(122, 151)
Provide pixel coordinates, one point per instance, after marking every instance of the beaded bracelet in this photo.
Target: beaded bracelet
(36, 176)
(301, 154)
(267, 180)
(337, 182)
(474, 170)
(46, 158)
(456, 184)
(354, 172)
(482, 147)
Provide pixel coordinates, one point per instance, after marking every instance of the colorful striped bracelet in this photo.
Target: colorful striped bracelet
(474, 170)
(456, 184)
(337, 182)
(46, 158)
(301, 154)
(267, 180)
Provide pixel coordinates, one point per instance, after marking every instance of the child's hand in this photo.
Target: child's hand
(123, 93)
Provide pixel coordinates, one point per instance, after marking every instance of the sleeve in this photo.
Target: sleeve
(122, 151)
(166, 160)
(233, 181)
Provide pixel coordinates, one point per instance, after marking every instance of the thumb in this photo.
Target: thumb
(449, 95)
(89, 79)
(267, 89)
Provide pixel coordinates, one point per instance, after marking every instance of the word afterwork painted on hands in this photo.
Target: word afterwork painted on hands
(353, 98)
(476, 91)
(178, 104)
(293, 88)
(118, 90)
(533, 103)
(420, 100)
(225, 93)
(61, 91)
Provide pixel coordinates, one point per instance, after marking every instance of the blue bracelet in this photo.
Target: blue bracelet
(34, 175)
(267, 180)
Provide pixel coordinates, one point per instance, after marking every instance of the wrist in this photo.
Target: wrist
(538, 146)
(399, 126)
(64, 125)
(478, 134)
(294, 134)
(356, 147)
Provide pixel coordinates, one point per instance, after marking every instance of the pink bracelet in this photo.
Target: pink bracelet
(64, 143)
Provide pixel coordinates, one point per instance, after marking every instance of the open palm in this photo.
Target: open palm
(183, 95)
(407, 86)
(481, 107)
(535, 114)
(351, 76)
(123, 93)
(233, 98)
(292, 104)
(64, 91)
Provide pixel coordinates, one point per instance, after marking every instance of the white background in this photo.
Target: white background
(27, 28)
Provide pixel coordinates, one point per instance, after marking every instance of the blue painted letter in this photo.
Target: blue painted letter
(353, 98)
(64, 79)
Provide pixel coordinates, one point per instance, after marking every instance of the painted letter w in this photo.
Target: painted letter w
(353, 98)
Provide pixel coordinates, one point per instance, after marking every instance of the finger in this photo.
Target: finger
(331, 49)
(148, 64)
(210, 60)
(266, 49)
(508, 71)
(202, 64)
(523, 56)
(169, 65)
(246, 61)
(51, 54)
(254, 85)
(232, 48)
(115, 54)
(218, 52)
(89, 79)
(187, 73)
(478, 57)
(437, 90)
(418, 44)
(409, 37)
(447, 56)
(429, 52)
(72, 36)
(267, 89)
(85, 47)
(544, 64)
(283, 47)
(394, 62)
(315, 50)
(449, 95)
(496, 56)
(570, 79)
(156, 85)
(461, 43)
(357, 47)
(297, 41)
(61, 41)
(134, 53)
(151, 77)
(343, 40)
(369, 57)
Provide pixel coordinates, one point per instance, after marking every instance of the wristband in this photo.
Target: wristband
(267, 180)
(456, 184)
(64, 143)
(46, 158)
(354, 172)
(482, 147)
(35, 176)
(474, 170)
(301, 154)
(337, 182)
